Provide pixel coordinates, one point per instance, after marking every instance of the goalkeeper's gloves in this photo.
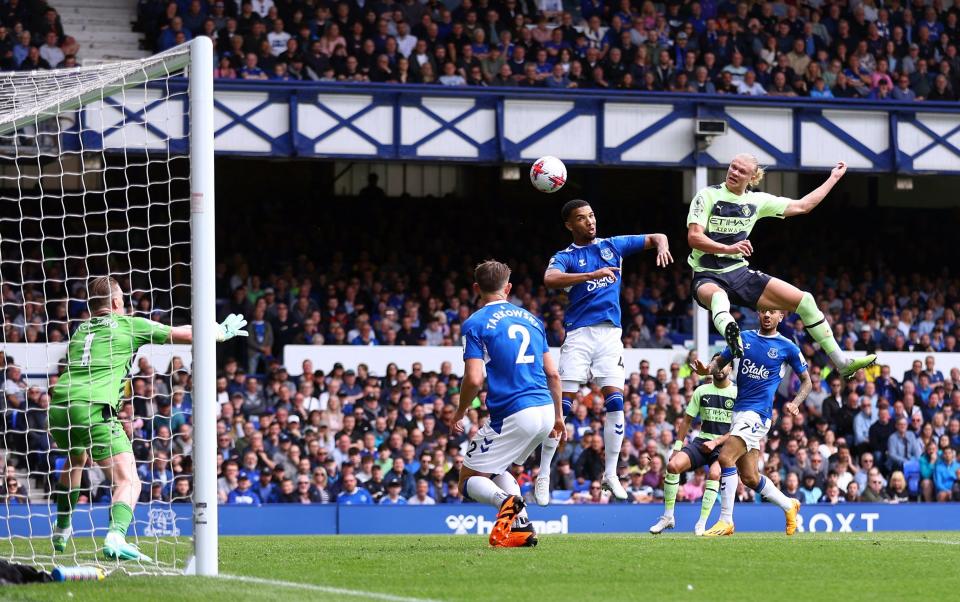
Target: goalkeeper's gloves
(231, 327)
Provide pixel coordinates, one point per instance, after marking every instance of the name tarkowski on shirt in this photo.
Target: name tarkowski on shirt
(515, 312)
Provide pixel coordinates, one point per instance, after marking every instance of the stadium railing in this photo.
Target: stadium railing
(493, 125)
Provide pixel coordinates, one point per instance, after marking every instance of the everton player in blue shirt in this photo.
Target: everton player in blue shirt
(523, 399)
(593, 349)
(766, 355)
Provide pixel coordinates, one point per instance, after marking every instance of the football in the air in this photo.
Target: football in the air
(548, 174)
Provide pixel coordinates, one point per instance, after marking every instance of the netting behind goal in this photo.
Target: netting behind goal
(95, 180)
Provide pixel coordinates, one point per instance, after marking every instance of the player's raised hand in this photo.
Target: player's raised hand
(607, 272)
(837, 172)
(744, 247)
(664, 258)
(700, 368)
(232, 326)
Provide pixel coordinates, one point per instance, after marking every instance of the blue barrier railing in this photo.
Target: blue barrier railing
(418, 122)
(164, 520)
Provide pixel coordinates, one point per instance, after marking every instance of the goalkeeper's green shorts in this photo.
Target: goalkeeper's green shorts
(82, 426)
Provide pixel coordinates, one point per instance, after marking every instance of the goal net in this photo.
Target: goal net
(96, 180)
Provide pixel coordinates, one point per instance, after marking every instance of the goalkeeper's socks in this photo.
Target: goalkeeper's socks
(671, 483)
(120, 517)
(709, 497)
(485, 491)
(770, 493)
(816, 326)
(66, 500)
(728, 493)
(720, 308)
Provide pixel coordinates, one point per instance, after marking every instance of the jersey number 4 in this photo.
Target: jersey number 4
(516, 330)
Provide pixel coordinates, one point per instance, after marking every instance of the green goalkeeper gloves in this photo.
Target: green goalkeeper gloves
(231, 327)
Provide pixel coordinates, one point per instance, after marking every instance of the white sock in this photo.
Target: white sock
(484, 491)
(508, 483)
(613, 427)
(728, 493)
(772, 494)
(547, 451)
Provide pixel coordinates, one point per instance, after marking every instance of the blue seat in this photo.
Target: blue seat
(911, 472)
(561, 496)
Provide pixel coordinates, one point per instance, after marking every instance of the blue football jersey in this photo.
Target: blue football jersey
(595, 301)
(511, 341)
(761, 369)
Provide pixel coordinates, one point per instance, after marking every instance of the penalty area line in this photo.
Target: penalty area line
(323, 589)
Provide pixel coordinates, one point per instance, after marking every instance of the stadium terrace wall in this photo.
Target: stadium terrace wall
(495, 125)
(168, 520)
(38, 360)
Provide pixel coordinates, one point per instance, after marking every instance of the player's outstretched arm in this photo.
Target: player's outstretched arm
(469, 389)
(231, 327)
(664, 258)
(715, 364)
(812, 199)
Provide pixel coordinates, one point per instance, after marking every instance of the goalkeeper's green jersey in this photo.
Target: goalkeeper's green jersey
(714, 407)
(727, 218)
(99, 357)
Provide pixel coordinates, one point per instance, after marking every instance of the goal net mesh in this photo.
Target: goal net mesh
(95, 181)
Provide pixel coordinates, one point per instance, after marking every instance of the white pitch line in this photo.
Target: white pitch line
(324, 589)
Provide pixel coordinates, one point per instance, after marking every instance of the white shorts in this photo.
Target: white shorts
(749, 426)
(592, 353)
(493, 453)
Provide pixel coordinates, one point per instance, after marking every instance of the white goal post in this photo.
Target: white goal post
(109, 170)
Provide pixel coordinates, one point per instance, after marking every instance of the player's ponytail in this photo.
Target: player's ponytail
(758, 174)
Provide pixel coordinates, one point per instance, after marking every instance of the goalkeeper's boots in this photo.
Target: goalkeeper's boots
(60, 538)
(611, 483)
(115, 547)
(502, 527)
(665, 522)
(520, 537)
(721, 529)
(541, 491)
(850, 370)
(731, 334)
(792, 517)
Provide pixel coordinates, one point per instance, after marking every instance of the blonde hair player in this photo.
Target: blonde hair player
(86, 400)
(719, 223)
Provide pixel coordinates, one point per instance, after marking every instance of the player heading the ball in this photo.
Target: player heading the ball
(523, 400)
(593, 349)
(719, 223)
(86, 401)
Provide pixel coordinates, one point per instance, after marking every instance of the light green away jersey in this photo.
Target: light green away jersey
(100, 354)
(727, 218)
(714, 406)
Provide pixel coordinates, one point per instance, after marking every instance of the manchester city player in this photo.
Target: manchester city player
(719, 223)
(593, 348)
(766, 355)
(523, 399)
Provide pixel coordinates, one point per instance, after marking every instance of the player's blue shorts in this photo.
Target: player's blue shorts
(743, 285)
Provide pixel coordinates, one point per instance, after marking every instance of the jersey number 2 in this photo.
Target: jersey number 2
(513, 331)
(87, 342)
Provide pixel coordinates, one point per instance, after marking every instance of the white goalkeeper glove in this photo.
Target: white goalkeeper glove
(231, 327)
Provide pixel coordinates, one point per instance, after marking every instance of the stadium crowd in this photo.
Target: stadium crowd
(32, 37)
(819, 48)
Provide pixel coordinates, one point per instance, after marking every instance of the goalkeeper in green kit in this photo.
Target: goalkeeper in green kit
(85, 402)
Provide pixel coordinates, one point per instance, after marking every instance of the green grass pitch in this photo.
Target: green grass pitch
(749, 566)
